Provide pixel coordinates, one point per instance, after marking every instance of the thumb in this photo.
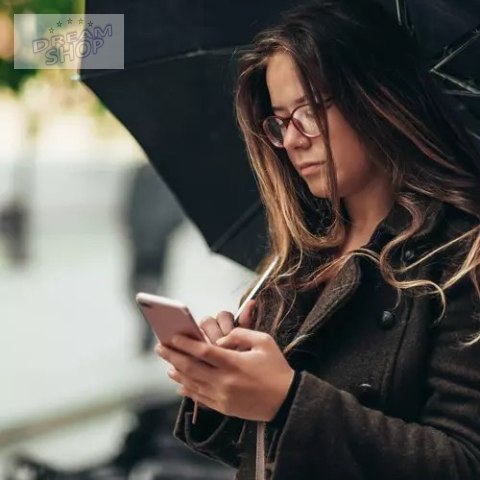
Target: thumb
(246, 318)
(238, 339)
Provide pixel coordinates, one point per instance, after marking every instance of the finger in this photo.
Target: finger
(186, 364)
(211, 328)
(245, 320)
(225, 322)
(209, 353)
(243, 339)
(199, 388)
(197, 396)
(190, 386)
(187, 382)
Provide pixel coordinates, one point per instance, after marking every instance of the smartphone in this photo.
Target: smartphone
(168, 318)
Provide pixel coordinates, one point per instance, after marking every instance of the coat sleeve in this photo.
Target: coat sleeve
(329, 434)
(214, 435)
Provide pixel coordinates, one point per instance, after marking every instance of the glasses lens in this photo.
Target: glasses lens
(275, 130)
(305, 121)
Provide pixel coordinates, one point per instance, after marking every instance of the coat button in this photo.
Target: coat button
(366, 394)
(387, 320)
(408, 255)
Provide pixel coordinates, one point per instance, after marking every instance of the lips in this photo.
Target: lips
(308, 164)
(309, 167)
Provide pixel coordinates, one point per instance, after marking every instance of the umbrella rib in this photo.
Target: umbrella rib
(402, 15)
(461, 93)
(158, 61)
(236, 226)
(473, 134)
(461, 83)
(400, 4)
(470, 37)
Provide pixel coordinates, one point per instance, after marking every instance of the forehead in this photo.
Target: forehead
(283, 80)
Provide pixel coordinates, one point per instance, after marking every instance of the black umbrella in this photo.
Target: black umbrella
(449, 34)
(175, 97)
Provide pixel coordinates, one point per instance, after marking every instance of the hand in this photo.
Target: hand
(222, 324)
(249, 384)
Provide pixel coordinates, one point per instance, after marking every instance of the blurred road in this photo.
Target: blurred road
(69, 333)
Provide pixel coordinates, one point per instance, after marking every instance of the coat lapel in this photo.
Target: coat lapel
(342, 286)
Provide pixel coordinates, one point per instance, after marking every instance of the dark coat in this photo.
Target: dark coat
(384, 393)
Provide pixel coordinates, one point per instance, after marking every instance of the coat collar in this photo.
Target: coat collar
(345, 283)
(399, 218)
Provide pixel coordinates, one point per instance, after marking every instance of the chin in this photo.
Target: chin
(318, 189)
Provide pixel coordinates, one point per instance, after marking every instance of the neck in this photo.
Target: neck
(367, 208)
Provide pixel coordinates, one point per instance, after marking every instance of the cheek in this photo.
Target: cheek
(351, 160)
(352, 166)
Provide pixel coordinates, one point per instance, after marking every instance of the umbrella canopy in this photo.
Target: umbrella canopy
(449, 34)
(175, 95)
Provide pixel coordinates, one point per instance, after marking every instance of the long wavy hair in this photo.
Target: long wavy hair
(380, 82)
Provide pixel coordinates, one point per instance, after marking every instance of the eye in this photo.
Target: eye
(278, 123)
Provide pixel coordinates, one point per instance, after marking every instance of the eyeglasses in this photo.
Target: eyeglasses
(303, 119)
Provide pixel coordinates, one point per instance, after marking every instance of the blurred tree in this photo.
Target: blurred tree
(8, 75)
(15, 213)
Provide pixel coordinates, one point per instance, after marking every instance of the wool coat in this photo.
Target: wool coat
(385, 392)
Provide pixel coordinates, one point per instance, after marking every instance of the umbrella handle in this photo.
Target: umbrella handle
(254, 290)
(250, 296)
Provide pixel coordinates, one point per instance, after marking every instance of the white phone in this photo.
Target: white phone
(168, 318)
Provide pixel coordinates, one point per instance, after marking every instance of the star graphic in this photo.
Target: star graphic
(69, 21)
(50, 30)
(59, 24)
(90, 24)
(80, 21)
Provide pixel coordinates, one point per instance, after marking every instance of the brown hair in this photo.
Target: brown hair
(377, 74)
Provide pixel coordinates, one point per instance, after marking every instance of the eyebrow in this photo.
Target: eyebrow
(295, 103)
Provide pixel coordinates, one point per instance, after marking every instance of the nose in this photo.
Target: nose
(294, 138)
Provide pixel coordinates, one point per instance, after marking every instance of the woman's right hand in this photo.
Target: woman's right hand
(221, 325)
(218, 327)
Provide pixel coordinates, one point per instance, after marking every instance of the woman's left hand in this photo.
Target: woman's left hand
(249, 384)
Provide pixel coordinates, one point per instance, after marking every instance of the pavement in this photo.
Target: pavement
(69, 346)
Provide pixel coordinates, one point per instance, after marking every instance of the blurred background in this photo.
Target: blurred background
(76, 199)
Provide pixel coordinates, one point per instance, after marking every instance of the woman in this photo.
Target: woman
(364, 358)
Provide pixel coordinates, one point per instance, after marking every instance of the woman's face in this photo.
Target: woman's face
(354, 170)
